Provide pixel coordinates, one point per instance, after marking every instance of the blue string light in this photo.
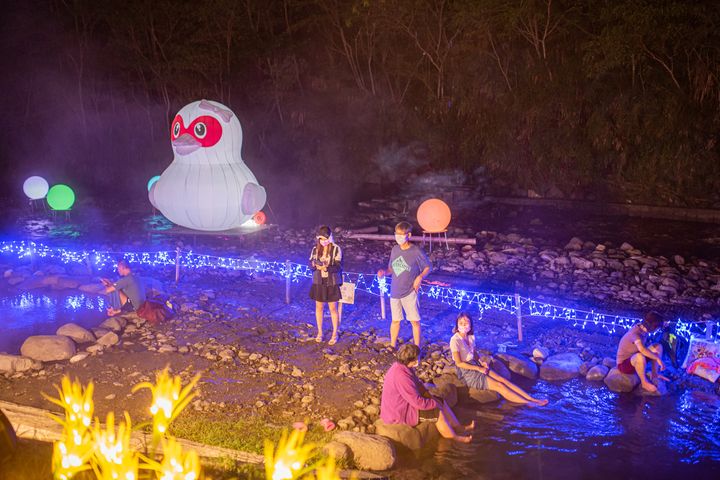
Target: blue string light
(369, 283)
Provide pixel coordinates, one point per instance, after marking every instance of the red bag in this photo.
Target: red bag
(155, 310)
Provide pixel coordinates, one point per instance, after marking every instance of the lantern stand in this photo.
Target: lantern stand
(441, 234)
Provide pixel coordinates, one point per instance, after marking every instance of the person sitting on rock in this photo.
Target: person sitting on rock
(128, 294)
(405, 400)
(476, 373)
(633, 355)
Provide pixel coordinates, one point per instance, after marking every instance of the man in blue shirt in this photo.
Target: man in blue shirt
(129, 290)
(408, 266)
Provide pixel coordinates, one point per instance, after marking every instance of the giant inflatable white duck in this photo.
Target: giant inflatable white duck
(207, 186)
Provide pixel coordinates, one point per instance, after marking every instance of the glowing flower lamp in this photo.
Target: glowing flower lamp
(35, 188)
(207, 186)
(60, 197)
(152, 181)
(434, 215)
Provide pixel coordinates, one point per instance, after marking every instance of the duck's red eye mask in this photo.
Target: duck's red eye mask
(205, 129)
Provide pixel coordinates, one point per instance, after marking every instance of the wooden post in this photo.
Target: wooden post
(287, 282)
(709, 330)
(518, 314)
(33, 259)
(177, 264)
(382, 304)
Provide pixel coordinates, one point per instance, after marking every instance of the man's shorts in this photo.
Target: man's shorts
(127, 307)
(409, 303)
(626, 367)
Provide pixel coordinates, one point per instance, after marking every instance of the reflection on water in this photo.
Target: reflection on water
(588, 431)
(42, 313)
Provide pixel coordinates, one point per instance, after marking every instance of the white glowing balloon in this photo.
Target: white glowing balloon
(207, 186)
(36, 187)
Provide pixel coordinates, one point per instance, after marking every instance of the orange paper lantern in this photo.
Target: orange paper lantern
(434, 215)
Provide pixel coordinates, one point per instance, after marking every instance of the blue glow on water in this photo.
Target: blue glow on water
(42, 313)
(587, 431)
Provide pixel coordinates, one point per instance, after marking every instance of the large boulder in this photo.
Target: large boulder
(17, 363)
(94, 288)
(76, 332)
(113, 323)
(446, 390)
(413, 438)
(66, 282)
(563, 366)
(620, 382)
(339, 451)
(499, 367)
(483, 396)
(370, 452)
(109, 339)
(519, 365)
(48, 348)
(597, 373)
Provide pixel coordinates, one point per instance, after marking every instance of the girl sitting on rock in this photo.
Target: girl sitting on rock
(326, 263)
(476, 373)
(405, 400)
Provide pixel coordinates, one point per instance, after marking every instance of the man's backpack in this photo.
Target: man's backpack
(156, 310)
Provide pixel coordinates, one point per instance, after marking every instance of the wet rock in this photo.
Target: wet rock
(48, 348)
(574, 244)
(16, 363)
(563, 366)
(608, 362)
(339, 451)
(597, 373)
(483, 396)
(499, 367)
(370, 452)
(620, 382)
(76, 332)
(413, 438)
(521, 366)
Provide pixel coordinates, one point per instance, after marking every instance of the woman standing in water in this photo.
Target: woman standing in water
(477, 374)
(326, 263)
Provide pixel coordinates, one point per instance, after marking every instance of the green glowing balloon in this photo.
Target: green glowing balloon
(60, 197)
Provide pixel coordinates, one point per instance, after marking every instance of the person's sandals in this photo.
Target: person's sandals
(333, 340)
(318, 339)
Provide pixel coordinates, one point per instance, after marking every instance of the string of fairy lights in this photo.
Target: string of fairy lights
(370, 283)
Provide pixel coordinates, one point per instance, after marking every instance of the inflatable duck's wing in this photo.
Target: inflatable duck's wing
(253, 198)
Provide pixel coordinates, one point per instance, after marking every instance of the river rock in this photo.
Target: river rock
(597, 373)
(499, 367)
(16, 363)
(413, 438)
(114, 323)
(620, 382)
(521, 366)
(110, 338)
(446, 390)
(370, 452)
(76, 332)
(483, 396)
(339, 451)
(541, 352)
(563, 366)
(48, 348)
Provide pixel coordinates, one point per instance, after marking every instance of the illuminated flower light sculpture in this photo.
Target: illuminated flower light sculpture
(169, 399)
(434, 215)
(207, 186)
(35, 187)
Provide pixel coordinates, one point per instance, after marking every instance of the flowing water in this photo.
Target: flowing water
(587, 431)
(41, 313)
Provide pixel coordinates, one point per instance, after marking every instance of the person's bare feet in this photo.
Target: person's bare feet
(318, 338)
(649, 387)
(111, 312)
(463, 438)
(333, 339)
(542, 402)
(470, 426)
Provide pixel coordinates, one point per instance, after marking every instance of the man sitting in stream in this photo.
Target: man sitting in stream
(633, 355)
